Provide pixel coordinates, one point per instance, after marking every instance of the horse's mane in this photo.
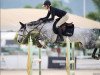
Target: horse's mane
(39, 22)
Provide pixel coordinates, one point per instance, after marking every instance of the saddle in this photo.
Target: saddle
(67, 29)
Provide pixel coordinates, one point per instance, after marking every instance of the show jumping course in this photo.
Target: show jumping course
(6, 19)
(70, 60)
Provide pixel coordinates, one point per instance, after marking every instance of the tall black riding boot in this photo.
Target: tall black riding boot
(59, 36)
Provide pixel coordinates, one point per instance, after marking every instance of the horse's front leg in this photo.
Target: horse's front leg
(42, 43)
(39, 44)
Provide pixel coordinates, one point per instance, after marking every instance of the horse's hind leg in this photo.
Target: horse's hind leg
(94, 54)
(99, 54)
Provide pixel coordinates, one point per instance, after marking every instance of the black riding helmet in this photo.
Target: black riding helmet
(47, 2)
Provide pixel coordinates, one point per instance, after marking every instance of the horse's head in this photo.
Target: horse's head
(22, 33)
(39, 31)
(25, 30)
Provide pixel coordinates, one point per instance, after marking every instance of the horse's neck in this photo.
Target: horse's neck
(43, 27)
(29, 28)
(46, 26)
(47, 30)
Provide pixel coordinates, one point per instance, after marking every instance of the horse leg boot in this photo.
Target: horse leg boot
(59, 36)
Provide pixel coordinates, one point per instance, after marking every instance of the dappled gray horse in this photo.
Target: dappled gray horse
(87, 37)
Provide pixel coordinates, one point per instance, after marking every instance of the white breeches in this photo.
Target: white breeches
(62, 20)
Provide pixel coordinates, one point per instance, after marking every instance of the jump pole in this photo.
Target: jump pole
(70, 60)
(39, 61)
(29, 60)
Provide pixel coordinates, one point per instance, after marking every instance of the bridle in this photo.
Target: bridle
(24, 34)
(23, 31)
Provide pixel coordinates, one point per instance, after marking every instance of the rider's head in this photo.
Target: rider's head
(47, 4)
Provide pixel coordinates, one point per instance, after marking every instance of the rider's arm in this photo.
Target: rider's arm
(52, 13)
(52, 17)
(44, 18)
(48, 15)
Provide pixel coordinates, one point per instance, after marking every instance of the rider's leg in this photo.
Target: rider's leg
(59, 36)
(58, 31)
(60, 22)
(55, 30)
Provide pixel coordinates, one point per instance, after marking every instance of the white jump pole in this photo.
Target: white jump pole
(40, 61)
(29, 60)
(70, 61)
(68, 57)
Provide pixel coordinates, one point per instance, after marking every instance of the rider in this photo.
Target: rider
(62, 18)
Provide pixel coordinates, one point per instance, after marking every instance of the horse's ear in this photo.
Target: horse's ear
(21, 24)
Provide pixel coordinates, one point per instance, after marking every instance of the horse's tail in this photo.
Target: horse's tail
(97, 32)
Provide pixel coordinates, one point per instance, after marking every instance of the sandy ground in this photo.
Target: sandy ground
(51, 72)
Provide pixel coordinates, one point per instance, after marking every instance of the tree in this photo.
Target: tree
(57, 4)
(28, 6)
(39, 6)
(96, 14)
(97, 4)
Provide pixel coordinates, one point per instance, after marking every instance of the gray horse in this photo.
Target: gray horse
(87, 37)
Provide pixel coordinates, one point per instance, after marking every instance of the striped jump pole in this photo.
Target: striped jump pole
(70, 60)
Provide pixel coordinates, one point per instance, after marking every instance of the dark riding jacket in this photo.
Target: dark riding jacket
(54, 12)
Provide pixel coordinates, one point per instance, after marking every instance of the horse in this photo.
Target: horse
(86, 37)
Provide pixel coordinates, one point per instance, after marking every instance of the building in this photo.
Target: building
(7, 39)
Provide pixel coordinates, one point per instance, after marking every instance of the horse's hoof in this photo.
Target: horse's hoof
(95, 57)
(39, 45)
(45, 47)
(98, 56)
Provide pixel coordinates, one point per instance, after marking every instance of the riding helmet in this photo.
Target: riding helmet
(47, 2)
